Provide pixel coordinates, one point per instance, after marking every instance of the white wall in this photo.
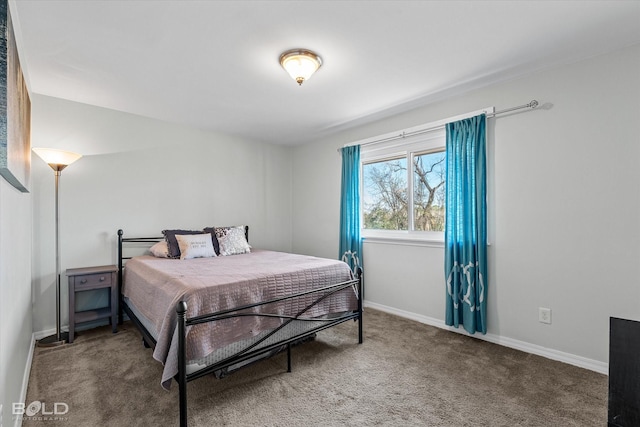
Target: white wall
(564, 207)
(15, 296)
(143, 176)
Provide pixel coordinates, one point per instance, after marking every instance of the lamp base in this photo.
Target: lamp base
(53, 341)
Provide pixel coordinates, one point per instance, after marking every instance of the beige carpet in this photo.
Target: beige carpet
(405, 374)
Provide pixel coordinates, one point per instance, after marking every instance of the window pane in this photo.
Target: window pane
(385, 195)
(428, 195)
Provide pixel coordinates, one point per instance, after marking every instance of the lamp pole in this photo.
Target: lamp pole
(57, 160)
(60, 337)
(58, 333)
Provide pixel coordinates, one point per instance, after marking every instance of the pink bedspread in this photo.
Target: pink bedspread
(208, 285)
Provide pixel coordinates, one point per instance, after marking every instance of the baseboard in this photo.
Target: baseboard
(549, 353)
(83, 327)
(25, 378)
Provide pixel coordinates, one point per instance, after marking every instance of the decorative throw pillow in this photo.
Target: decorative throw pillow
(232, 240)
(170, 237)
(216, 245)
(195, 246)
(160, 250)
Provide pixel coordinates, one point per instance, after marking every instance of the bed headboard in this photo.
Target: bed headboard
(146, 242)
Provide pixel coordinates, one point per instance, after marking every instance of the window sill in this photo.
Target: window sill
(405, 241)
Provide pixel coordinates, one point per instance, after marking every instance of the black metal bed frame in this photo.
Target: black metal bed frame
(252, 351)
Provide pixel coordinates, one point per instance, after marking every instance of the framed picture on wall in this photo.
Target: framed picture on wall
(15, 109)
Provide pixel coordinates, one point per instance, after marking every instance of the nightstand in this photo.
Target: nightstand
(87, 279)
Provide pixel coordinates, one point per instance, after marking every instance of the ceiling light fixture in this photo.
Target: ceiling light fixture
(300, 64)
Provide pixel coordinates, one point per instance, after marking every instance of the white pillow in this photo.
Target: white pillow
(232, 240)
(160, 250)
(195, 246)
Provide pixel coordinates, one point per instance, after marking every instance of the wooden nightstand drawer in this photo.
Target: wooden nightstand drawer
(92, 281)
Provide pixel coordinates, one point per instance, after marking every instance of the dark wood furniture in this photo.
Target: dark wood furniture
(253, 350)
(88, 279)
(624, 373)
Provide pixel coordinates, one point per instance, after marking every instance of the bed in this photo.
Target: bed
(214, 315)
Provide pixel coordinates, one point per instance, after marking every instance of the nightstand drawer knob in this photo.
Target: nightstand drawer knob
(102, 279)
(83, 281)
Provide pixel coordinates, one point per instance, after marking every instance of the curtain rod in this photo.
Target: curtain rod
(532, 105)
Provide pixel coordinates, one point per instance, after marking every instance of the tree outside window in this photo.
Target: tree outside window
(428, 196)
(386, 193)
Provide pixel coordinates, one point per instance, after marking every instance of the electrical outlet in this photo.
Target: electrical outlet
(544, 315)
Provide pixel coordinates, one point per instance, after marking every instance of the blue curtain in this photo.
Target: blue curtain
(350, 242)
(466, 225)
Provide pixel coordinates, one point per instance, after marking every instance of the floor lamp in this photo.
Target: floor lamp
(58, 160)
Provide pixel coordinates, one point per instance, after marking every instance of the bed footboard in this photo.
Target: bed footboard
(256, 348)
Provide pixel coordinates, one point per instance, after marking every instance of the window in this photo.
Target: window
(385, 195)
(403, 182)
(428, 191)
(403, 188)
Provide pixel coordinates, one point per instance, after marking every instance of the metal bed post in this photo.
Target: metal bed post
(120, 298)
(181, 309)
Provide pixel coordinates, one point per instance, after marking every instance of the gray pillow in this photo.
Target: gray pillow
(172, 242)
(212, 231)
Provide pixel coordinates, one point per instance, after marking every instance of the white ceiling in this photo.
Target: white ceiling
(214, 64)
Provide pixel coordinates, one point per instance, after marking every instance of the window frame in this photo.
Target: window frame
(400, 143)
(428, 142)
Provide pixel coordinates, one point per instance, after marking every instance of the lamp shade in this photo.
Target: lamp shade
(57, 159)
(300, 64)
